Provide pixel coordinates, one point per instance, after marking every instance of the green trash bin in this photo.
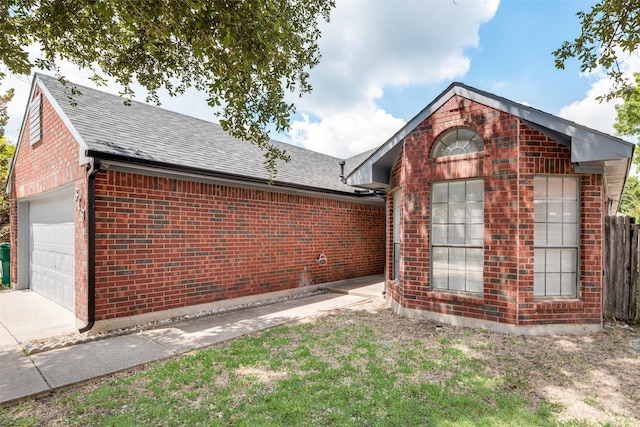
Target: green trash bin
(5, 257)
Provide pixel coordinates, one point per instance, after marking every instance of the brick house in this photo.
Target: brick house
(496, 214)
(129, 214)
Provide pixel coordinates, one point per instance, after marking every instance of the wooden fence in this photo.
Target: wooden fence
(621, 276)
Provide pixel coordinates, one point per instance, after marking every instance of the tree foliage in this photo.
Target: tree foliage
(610, 30)
(630, 202)
(628, 123)
(6, 154)
(243, 54)
(4, 117)
(628, 119)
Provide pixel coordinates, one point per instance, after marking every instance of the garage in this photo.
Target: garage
(51, 247)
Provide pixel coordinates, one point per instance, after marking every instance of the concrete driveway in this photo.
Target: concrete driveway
(26, 316)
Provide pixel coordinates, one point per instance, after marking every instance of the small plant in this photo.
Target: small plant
(591, 401)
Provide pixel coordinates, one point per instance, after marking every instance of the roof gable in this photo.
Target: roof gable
(591, 151)
(39, 88)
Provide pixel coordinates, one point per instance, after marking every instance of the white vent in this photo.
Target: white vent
(35, 120)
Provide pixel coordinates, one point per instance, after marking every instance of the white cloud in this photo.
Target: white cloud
(593, 113)
(368, 46)
(348, 133)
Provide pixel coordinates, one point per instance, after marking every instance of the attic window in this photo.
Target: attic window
(35, 120)
(457, 142)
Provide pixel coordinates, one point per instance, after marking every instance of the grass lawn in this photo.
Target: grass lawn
(349, 368)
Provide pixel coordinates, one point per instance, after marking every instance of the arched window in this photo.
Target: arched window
(456, 142)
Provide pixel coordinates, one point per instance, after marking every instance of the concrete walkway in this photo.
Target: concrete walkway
(23, 375)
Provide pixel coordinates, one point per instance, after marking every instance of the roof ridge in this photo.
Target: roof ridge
(134, 100)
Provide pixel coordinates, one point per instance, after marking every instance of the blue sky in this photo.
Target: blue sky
(385, 60)
(513, 58)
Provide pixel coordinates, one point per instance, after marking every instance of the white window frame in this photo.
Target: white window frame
(35, 120)
(457, 236)
(397, 212)
(456, 142)
(556, 236)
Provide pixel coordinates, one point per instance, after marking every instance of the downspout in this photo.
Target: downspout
(519, 243)
(91, 243)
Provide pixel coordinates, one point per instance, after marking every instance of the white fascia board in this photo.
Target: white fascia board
(362, 176)
(82, 146)
(587, 145)
(590, 148)
(182, 175)
(20, 134)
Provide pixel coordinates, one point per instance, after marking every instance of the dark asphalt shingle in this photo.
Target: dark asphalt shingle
(143, 131)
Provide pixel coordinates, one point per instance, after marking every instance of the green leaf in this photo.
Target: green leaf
(610, 28)
(244, 54)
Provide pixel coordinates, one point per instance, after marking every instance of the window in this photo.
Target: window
(456, 142)
(457, 236)
(396, 235)
(556, 235)
(35, 128)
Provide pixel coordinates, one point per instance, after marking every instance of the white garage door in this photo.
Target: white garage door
(52, 248)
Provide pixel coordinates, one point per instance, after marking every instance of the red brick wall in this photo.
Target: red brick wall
(513, 154)
(394, 288)
(50, 164)
(163, 243)
(541, 155)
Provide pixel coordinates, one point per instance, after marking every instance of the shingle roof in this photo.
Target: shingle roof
(148, 133)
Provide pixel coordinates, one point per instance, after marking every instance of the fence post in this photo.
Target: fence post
(621, 275)
(607, 305)
(635, 272)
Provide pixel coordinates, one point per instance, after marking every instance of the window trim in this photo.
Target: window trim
(439, 141)
(432, 286)
(577, 246)
(395, 255)
(35, 120)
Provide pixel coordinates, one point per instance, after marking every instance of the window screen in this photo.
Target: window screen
(457, 235)
(456, 142)
(396, 234)
(556, 234)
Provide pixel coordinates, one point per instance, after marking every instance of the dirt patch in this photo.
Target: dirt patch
(594, 377)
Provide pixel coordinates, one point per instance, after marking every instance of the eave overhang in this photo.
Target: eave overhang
(591, 151)
(118, 162)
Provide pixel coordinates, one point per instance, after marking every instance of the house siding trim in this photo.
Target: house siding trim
(586, 145)
(147, 167)
(468, 322)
